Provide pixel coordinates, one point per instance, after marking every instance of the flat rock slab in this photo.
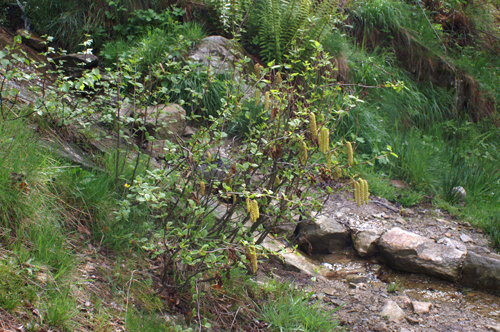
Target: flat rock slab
(482, 272)
(410, 252)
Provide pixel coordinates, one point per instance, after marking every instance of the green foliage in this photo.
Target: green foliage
(274, 27)
(288, 309)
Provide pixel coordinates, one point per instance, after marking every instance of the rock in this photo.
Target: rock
(164, 122)
(414, 253)
(406, 301)
(366, 240)
(465, 238)
(323, 234)
(69, 151)
(452, 243)
(30, 39)
(188, 132)
(218, 52)
(381, 327)
(481, 271)
(412, 320)
(222, 55)
(495, 328)
(77, 61)
(356, 279)
(459, 193)
(392, 311)
(421, 308)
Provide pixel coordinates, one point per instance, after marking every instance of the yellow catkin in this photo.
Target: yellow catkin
(256, 70)
(277, 181)
(361, 191)
(303, 152)
(209, 156)
(257, 98)
(337, 173)
(278, 78)
(366, 192)
(329, 161)
(350, 158)
(357, 193)
(234, 199)
(253, 259)
(266, 101)
(202, 188)
(254, 210)
(249, 206)
(312, 125)
(324, 140)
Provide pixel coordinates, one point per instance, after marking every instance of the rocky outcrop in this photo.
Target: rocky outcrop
(323, 235)
(30, 39)
(163, 121)
(414, 253)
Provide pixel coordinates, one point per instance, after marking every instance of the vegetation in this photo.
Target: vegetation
(419, 79)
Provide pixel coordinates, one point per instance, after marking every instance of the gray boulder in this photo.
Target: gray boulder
(366, 240)
(482, 271)
(163, 121)
(410, 252)
(322, 234)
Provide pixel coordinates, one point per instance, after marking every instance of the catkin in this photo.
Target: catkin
(209, 156)
(266, 101)
(324, 140)
(277, 181)
(202, 188)
(256, 70)
(257, 98)
(278, 78)
(337, 173)
(253, 259)
(249, 206)
(350, 159)
(366, 193)
(303, 152)
(312, 125)
(254, 210)
(329, 161)
(357, 193)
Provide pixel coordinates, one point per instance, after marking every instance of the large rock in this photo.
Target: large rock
(322, 234)
(366, 240)
(482, 271)
(164, 121)
(219, 53)
(77, 61)
(410, 252)
(223, 55)
(32, 40)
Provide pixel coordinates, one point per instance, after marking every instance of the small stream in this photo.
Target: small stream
(416, 286)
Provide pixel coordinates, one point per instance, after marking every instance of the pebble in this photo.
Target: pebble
(465, 238)
(421, 308)
(381, 327)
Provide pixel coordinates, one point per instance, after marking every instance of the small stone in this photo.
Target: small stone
(465, 238)
(392, 311)
(381, 327)
(421, 308)
(356, 279)
(447, 234)
(88, 304)
(495, 328)
(406, 301)
(412, 320)
(330, 291)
